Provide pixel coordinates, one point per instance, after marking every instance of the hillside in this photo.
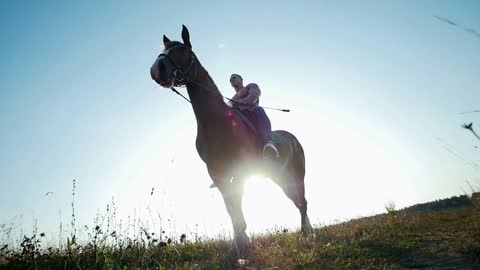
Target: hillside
(438, 235)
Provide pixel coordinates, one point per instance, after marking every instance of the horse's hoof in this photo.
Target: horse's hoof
(239, 246)
(232, 253)
(309, 236)
(235, 253)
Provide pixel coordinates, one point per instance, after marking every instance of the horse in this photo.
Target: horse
(225, 141)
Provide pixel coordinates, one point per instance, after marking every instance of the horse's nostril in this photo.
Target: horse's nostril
(152, 74)
(157, 71)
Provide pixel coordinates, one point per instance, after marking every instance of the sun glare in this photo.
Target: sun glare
(266, 207)
(353, 168)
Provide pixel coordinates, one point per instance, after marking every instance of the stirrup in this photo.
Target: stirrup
(269, 150)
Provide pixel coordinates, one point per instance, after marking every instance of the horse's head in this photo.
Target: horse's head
(175, 65)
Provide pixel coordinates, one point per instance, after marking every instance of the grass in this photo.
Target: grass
(444, 239)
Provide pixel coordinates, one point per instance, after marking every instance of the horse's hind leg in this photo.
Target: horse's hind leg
(294, 188)
(302, 206)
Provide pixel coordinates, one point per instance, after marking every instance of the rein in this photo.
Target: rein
(213, 92)
(178, 93)
(179, 77)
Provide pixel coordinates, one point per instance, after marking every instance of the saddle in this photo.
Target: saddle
(250, 121)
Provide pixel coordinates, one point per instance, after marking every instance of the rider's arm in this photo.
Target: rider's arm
(253, 94)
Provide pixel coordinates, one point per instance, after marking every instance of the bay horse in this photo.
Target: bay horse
(226, 143)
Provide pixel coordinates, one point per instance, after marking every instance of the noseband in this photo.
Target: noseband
(179, 74)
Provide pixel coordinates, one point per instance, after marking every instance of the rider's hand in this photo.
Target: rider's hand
(237, 102)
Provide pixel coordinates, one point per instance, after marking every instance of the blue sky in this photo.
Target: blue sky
(375, 89)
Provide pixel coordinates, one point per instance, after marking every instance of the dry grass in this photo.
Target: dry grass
(448, 239)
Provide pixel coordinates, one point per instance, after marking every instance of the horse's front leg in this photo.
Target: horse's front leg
(232, 195)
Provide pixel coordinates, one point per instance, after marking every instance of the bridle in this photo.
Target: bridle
(179, 74)
(181, 77)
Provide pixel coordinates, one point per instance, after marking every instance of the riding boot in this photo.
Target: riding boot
(270, 151)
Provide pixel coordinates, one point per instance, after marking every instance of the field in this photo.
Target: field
(438, 235)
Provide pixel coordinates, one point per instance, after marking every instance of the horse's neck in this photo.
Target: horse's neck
(206, 99)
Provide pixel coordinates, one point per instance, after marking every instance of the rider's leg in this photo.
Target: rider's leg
(264, 129)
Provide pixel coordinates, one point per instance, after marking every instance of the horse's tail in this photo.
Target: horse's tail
(299, 162)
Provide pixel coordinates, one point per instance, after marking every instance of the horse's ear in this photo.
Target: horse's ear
(165, 39)
(186, 37)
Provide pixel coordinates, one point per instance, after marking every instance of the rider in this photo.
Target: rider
(246, 99)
